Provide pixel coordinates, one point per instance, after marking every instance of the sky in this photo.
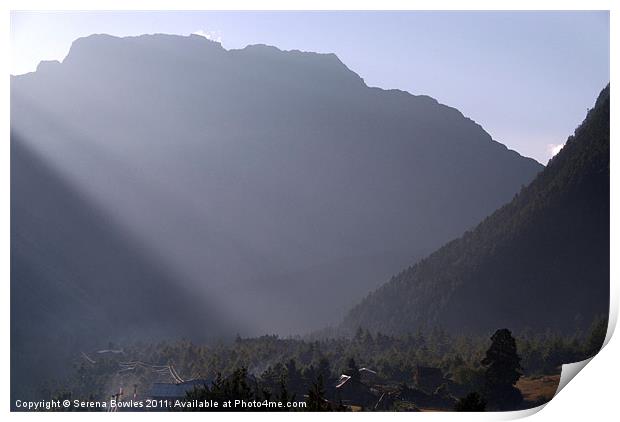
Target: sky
(527, 77)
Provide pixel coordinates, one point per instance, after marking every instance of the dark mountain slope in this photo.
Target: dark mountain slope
(254, 171)
(104, 288)
(541, 261)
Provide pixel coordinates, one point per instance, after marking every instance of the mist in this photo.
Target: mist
(260, 190)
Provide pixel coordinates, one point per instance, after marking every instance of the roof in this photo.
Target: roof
(343, 380)
(170, 390)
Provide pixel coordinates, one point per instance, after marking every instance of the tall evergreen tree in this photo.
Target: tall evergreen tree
(353, 370)
(503, 370)
(316, 397)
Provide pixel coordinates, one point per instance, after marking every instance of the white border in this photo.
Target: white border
(592, 396)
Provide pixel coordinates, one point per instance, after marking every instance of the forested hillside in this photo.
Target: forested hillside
(541, 261)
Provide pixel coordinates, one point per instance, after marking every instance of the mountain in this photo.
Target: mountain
(539, 262)
(274, 184)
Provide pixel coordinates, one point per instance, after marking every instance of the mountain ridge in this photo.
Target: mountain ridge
(562, 216)
(261, 166)
(260, 47)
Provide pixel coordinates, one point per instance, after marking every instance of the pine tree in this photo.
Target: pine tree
(353, 371)
(316, 401)
(503, 370)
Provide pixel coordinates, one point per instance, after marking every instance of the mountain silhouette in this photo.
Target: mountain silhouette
(274, 184)
(540, 262)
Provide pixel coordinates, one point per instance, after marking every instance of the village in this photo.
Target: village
(430, 389)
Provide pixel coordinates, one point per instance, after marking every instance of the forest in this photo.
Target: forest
(384, 371)
(541, 260)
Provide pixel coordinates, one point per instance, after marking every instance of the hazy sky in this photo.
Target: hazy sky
(526, 77)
